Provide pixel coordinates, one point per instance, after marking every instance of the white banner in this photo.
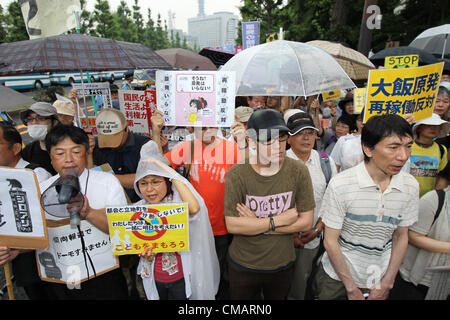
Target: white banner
(65, 262)
(46, 18)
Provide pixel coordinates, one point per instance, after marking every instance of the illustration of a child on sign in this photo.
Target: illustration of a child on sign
(195, 105)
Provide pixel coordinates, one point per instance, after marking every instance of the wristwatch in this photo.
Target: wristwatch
(319, 233)
(271, 226)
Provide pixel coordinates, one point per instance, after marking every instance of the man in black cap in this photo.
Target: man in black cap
(266, 201)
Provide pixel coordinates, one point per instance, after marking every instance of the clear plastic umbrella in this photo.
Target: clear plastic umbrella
(434, 40)
(286, 68)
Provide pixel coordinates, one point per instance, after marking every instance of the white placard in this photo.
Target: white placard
(196, 98)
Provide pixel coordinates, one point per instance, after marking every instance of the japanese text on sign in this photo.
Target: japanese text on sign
(163, 227)
(138, 107)
(195, 83)
(403, 91)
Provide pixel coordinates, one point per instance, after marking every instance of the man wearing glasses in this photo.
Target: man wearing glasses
(266, 201)
(39, 119)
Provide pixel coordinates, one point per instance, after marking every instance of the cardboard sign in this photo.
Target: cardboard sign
(196, 98)
(91, 91)
(408, 61)
(359, 97)
(403, 91)
(138, 107)
(136, 227)
(22, 219)
(327, 96)
(65, 261)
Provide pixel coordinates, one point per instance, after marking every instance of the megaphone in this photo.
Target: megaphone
(63, 198)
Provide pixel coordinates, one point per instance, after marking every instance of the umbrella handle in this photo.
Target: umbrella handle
(445, 44)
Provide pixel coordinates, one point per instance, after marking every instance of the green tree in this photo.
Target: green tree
(86, 19)
(15, 24)
(3, 25)
(126, 29)
(104, 19)
(138, 19)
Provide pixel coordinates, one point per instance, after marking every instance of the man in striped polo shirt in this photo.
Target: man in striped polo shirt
(366, 211)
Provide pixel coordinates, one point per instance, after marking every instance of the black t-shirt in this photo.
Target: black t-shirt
(34, 154)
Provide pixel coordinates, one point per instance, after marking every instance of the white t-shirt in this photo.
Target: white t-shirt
(41, 173)
(318, 182)
(347, 152)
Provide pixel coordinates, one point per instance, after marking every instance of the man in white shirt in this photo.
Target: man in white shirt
(303, 134)
(68, 147)
(367, 210)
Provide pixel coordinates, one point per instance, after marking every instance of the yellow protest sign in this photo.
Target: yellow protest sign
(327, 96)
(272, 37)
(408, 61)
(136, 227)
(359, 97)
(403, 91)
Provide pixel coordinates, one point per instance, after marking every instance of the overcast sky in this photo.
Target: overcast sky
(183, 9)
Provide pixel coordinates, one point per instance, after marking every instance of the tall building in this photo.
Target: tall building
(213, 30)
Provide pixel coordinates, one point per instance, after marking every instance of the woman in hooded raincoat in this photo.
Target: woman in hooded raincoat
(156, 182)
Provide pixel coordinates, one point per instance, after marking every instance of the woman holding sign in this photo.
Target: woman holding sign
(175, 275)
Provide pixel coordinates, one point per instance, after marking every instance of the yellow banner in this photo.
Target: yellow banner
(272, 37)
(359, 97)
(136, 227)
(408, 61)
(403, 91)
(326, 96)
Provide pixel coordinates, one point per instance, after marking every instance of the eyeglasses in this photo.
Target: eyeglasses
(37, 119)
(152, 183)
(306, 133)
(281, 138)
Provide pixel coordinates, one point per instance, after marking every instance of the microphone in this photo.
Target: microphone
(69, 193)
(64, 198)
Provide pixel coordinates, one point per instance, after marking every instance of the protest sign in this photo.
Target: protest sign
(359, 97)
(91, 91)
(22, 220)
(403, 91)
(72, 255)
(408, 61)
(250, 34)
(327, 96)
(138, 107)
(136, 227)
(196, 98)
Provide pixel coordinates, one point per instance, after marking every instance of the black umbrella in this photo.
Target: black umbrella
(424, 57)
(219, 58)
(76, 52)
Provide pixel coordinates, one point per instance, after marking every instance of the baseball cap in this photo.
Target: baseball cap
(300, 121)
(111, 126)
(43, 109)
(64, 107)
(263, 122)
(243, 113)
(290, 112)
